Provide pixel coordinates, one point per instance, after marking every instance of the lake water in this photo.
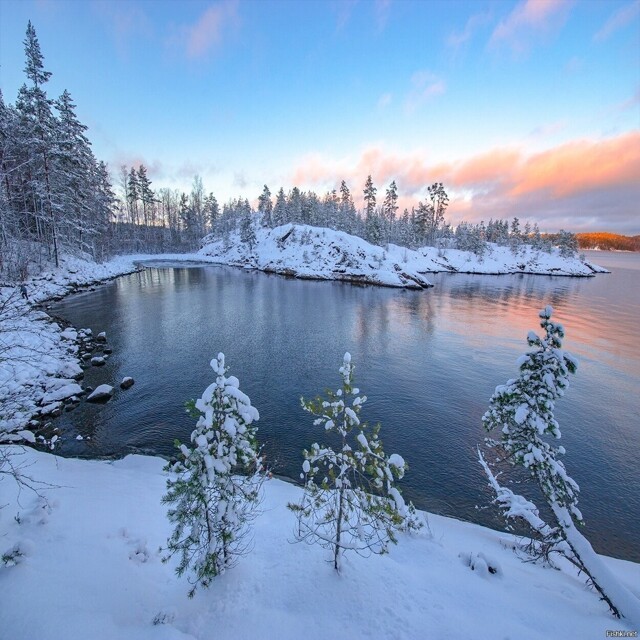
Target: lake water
(428, 361)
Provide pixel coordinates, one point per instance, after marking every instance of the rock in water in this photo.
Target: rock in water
(103, 393)
(126, 382)
(101, 337)
(98, 361)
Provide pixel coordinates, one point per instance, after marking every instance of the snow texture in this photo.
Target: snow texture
(324, 254)
(89, 568)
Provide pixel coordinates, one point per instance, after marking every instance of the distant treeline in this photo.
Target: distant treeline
(608, 241)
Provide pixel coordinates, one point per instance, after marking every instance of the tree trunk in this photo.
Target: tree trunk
(622, 602)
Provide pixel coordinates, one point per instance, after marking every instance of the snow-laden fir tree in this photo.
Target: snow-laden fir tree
(522, 411)
(350, 502)
(216, 490)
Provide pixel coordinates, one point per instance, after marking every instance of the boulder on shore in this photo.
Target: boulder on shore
(103, 393)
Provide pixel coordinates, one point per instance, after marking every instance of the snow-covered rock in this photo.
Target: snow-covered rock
(102, 393)
(127, 382)
(98, 361)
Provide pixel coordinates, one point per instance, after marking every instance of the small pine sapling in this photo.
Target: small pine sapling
(350, 502)
(216, 489)
(522, 411)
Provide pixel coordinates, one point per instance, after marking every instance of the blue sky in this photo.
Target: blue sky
(527, 108)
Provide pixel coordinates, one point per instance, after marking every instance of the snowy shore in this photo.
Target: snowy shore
(91, 569)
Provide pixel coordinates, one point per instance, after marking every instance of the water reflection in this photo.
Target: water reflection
(428, 360)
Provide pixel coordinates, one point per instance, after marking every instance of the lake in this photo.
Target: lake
(427, 360)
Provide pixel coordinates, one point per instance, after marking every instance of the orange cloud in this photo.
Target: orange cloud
(207, 32)
(528, 19)
(488, 168)
(581, 166)
(571, 185)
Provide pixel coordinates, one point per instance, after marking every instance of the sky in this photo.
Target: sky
(526, 108)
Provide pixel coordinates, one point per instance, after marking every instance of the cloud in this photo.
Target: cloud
(619, 19)
(343, 10)
(528, 20)
(127, 22)
(207, 33)
(381, 9)
(424, 86)
(240, 180)
(581, 166)
(456, 39)
(384, 100)
(576, 185)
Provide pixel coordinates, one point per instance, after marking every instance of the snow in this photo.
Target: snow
(68, 390)
(396, 460)
(324, 254)
(101, 390)
(88, 566)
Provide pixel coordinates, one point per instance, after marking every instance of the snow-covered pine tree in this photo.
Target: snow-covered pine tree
(265, 207)
(216, 490)
(522, 410)
(350, 502)
(247, 231)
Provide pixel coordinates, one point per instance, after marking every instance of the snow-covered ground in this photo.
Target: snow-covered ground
(91, 569)
(324, 254)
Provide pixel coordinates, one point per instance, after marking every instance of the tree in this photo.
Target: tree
(347, 210)
(567, 244)
(265, 206)
(391, 207)
(212, 211)
(75, 176)
(281, 210)
(37, 127)
(216, 491)
(369, 197)
(522, 411)
(355, 505)
(247, 232)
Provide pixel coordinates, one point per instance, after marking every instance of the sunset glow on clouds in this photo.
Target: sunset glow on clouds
(523, 108)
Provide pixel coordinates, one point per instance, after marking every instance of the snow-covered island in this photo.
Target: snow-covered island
(325, 254)
(91, 568)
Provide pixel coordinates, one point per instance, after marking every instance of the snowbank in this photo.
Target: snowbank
(324, 254)
(91, 569)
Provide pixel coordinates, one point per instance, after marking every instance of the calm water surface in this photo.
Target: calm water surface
(428, 361)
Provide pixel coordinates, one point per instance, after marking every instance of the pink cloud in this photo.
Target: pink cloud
(527, 20)
(620, 18)
(126, 22)
(581, 166)
(579, 184)
(207, 33)
(424, 86)
(457, 39)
